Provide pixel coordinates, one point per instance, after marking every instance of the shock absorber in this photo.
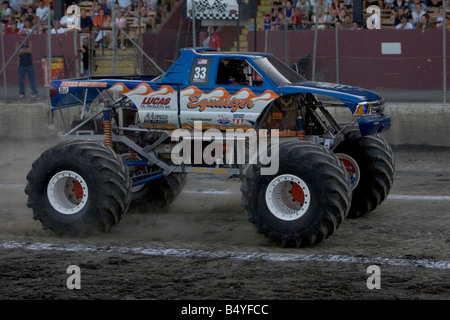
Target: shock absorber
(301, 134)
(107, 129)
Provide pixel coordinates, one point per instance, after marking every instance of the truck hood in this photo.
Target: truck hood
(349, 95)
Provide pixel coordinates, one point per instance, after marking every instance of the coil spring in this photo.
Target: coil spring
(301, 134)
(107, 131)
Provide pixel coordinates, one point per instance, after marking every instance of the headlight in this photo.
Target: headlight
(369, 108)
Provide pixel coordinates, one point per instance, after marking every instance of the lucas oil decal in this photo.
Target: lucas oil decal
(222, 99)
(144, 96)
(156, 103)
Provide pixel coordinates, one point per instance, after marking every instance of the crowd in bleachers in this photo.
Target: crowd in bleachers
(30, 16)
(325, 14)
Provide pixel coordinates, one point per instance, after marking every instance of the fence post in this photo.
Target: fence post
(444, 53)
(286, 41)
(49, 44)
(114, 40)
(194, 32)
(337, 51)
(266, 40)
(313, 76)
(3, 64)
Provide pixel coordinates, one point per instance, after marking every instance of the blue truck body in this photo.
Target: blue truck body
(182, 94)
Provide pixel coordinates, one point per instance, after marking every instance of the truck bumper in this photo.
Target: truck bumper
(373, 125)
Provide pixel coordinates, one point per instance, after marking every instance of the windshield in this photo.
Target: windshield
(279, 72)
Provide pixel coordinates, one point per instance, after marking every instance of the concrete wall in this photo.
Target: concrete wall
(412, 124)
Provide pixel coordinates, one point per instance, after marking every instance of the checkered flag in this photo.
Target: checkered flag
(201, 5)
(219, 6)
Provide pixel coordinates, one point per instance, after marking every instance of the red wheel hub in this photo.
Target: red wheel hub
(297, 193)
(77, 189)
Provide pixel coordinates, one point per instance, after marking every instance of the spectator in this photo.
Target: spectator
(26, 66)
(321, 4)
(95, 9)
(213, 40)
(13, 29)
(42, 12)
(125, 5)
(15, 6)
(305, 25)
(5, 10)
(105, 7)
(85, 56)
(425, 22)
(31, 16)
(85, 21)
(9, 22)
(279, 22)
(321, 20)
(288, 10)
(335, 7)
(145, 16)
(305, 7)
(41, 29)
(3, 27)
(58, 28)
(347, 23)
(417, 13)
(64, 19)
(276, 7)
(404, 24)
(267, 22)
(25, 4)
(121, 21)
(387, 4)
(355, 26)
(438, 17)
(398, 15)
(21, 21)
(399, 4)
(101, 21)
(342, 13)
(27, 28)
(296, 19)
(412, 4)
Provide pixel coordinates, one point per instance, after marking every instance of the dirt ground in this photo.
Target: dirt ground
(203, 248)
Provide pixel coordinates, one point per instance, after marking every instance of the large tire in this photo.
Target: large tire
(155, 194)
(374, 161)
(305, 202)
(159, 193)
(78, 188)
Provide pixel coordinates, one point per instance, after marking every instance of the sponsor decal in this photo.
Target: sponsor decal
(151, 118)
(221, 98)
(156, 103)
(223, 119)
(238, 118)
(84, 84)
(63, 90)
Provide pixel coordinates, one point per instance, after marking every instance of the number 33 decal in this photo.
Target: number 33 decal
(200, 73)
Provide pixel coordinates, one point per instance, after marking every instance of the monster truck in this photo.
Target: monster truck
(137, 138)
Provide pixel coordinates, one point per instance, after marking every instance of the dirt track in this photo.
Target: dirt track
(202, 246)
